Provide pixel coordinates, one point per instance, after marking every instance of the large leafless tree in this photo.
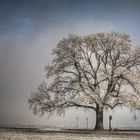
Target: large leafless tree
(96, 71)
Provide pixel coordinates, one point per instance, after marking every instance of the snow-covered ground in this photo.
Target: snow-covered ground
(19, 135)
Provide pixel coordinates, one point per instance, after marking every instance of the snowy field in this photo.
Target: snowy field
(52, 135)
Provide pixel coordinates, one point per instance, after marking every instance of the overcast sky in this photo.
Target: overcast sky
(29, 29)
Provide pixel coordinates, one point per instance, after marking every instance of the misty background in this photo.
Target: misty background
(30, 29)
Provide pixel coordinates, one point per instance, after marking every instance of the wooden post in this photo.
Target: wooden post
(87, 122)
(110, 119)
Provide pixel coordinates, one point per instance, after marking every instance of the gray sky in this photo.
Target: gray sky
(29, 29)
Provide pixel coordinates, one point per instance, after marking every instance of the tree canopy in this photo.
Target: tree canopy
(96, 71)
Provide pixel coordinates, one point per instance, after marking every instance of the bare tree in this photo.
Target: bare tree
(97, 72)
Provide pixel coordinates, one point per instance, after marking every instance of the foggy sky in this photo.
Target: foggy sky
(29, 29)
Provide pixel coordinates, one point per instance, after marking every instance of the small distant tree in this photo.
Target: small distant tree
(97, 72)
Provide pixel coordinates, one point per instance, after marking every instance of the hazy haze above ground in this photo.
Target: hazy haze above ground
(29, 29)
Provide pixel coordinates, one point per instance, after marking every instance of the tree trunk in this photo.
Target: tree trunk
(99, 118)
